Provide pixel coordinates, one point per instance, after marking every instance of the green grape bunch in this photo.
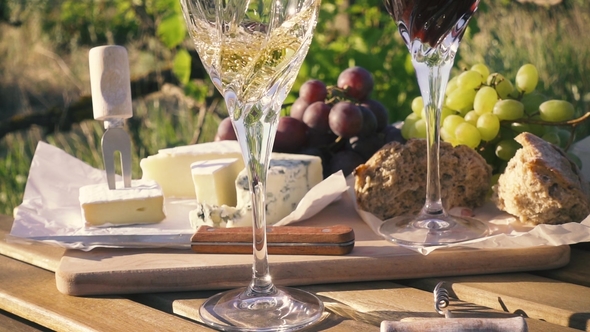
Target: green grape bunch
(485, 111)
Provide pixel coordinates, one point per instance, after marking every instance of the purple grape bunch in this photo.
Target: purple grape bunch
(341, 124)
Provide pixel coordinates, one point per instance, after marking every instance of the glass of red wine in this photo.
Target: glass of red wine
(432, 31)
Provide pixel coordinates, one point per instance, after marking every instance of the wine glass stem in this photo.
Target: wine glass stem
(432, 79)
(255, 126)
(261, 280)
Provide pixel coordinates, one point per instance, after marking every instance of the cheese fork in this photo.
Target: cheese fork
(111, 103)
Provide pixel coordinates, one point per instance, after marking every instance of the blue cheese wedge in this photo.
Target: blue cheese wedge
(220, 216)
(171, 168)
(289, 178)
(142, 203)
(214, 180)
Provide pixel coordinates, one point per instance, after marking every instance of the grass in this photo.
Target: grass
(33, 75)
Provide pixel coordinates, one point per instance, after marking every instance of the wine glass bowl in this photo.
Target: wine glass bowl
(252, 51)
(432, 31)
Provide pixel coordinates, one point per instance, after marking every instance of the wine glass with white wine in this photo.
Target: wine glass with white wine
(432, 31)
(253, 50)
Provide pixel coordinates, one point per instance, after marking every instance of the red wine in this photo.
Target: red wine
(431, 20)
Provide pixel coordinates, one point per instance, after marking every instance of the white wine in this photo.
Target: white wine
(248, 58)
(252, 51)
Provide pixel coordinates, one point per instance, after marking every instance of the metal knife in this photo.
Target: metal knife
(281, 240)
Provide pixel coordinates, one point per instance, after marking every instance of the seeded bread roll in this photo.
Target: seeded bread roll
(541, 186)
(393, 181)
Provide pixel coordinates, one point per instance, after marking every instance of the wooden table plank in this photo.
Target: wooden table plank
(36, 253)
(186, 304)
(373, 302)
(12, 323)
(29, 292)
(576, 272)
(526, 294)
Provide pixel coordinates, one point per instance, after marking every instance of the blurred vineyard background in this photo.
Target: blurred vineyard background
(45, 89)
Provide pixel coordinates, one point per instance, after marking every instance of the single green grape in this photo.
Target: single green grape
(469, 79)
(527, 78)
(446, 135)
(451, 85)
(532, 101)
(462, 112)
(575, 159)
(556, 110)
(520, 127)
(488, 125)
(509, 109)
(506, 149)
(418, 129)
(494, 179)
(451, 122)
(409, 124)
(483, 70)
(506, 132)
(564, 137)
(460, 99)
(489, 154)
(467, 134)
(417, 105)
(552, 137)
(444, 112)
(535, 129)
(471, 117)
(503, 86)
(484, 100)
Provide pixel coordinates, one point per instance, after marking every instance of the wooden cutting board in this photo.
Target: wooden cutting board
(122, 271)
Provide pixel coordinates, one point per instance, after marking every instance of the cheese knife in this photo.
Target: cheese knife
(281, 240)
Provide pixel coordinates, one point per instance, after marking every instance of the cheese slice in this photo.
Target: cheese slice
(214, 180)
(171, 168)
(142, 203)
(289, 178)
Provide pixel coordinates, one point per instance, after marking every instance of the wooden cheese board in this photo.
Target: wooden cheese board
(125, 271)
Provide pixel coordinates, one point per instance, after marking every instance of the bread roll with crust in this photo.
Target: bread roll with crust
(541, 185)
(393, 181)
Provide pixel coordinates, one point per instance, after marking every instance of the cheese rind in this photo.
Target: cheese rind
(171, 167)
(289, 178)
(142, 203)
(214, 180)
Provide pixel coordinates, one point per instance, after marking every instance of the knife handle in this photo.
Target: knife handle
(282, 240)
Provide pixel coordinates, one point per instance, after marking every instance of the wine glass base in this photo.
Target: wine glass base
(288, 309)
(432, 230)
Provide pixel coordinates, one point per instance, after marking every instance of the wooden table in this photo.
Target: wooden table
(553, 300)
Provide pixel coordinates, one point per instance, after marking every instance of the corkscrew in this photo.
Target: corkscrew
(451, 322)
(441, 300)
